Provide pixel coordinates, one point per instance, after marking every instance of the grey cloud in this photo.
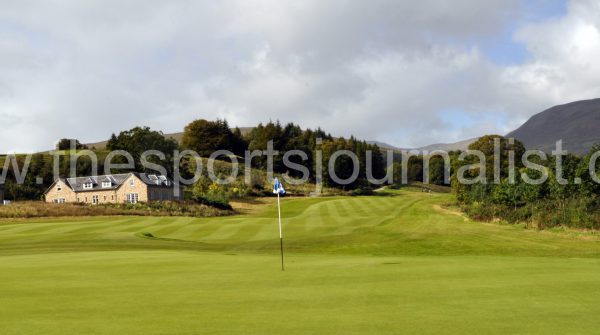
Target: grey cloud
(378, 69)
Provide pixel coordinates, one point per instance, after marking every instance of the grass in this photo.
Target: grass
(355, 265)
(37, 209)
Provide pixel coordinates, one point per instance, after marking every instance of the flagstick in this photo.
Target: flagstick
(280, 234)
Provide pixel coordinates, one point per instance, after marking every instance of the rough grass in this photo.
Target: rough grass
(37, 209)
(355, 265)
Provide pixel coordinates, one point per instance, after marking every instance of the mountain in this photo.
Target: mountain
(576, 123)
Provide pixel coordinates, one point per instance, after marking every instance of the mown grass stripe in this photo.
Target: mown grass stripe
(360, 207)
(195, 230)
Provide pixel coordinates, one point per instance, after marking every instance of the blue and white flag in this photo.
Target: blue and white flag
(278, 188)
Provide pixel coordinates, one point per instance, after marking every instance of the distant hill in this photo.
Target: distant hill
(576, 123)
(461, 145)
(385, 146)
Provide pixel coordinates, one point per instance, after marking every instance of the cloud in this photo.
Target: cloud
(564, 55)
(385, 70)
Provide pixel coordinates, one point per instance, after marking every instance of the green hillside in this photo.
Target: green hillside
(355, 265)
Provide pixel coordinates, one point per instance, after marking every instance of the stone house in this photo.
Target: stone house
(116, 188)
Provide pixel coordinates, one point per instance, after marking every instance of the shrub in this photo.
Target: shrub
(211, 193)
(215, 200)
(32, 209)
(362, 191)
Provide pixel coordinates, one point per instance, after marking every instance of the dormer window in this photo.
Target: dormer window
(88, 186)
(106, 184)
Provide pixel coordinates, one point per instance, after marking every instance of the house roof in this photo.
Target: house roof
(116, 180)
(77, 184)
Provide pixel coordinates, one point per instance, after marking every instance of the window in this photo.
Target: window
(58, 187)
(59, 201)
(132, 198)
(131, 182)
(106, 184)
(112, 197)
(88, 186)
(104, 198)
(94, 199)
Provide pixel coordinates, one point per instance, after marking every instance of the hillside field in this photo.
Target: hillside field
(397, 263)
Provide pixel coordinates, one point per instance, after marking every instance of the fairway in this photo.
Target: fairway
(400, 263)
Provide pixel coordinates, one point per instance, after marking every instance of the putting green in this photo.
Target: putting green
(395, 264)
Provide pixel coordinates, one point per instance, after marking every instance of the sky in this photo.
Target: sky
(402, 72)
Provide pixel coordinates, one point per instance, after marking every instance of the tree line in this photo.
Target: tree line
(567, 197)
(558, 191)
(204, 137)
